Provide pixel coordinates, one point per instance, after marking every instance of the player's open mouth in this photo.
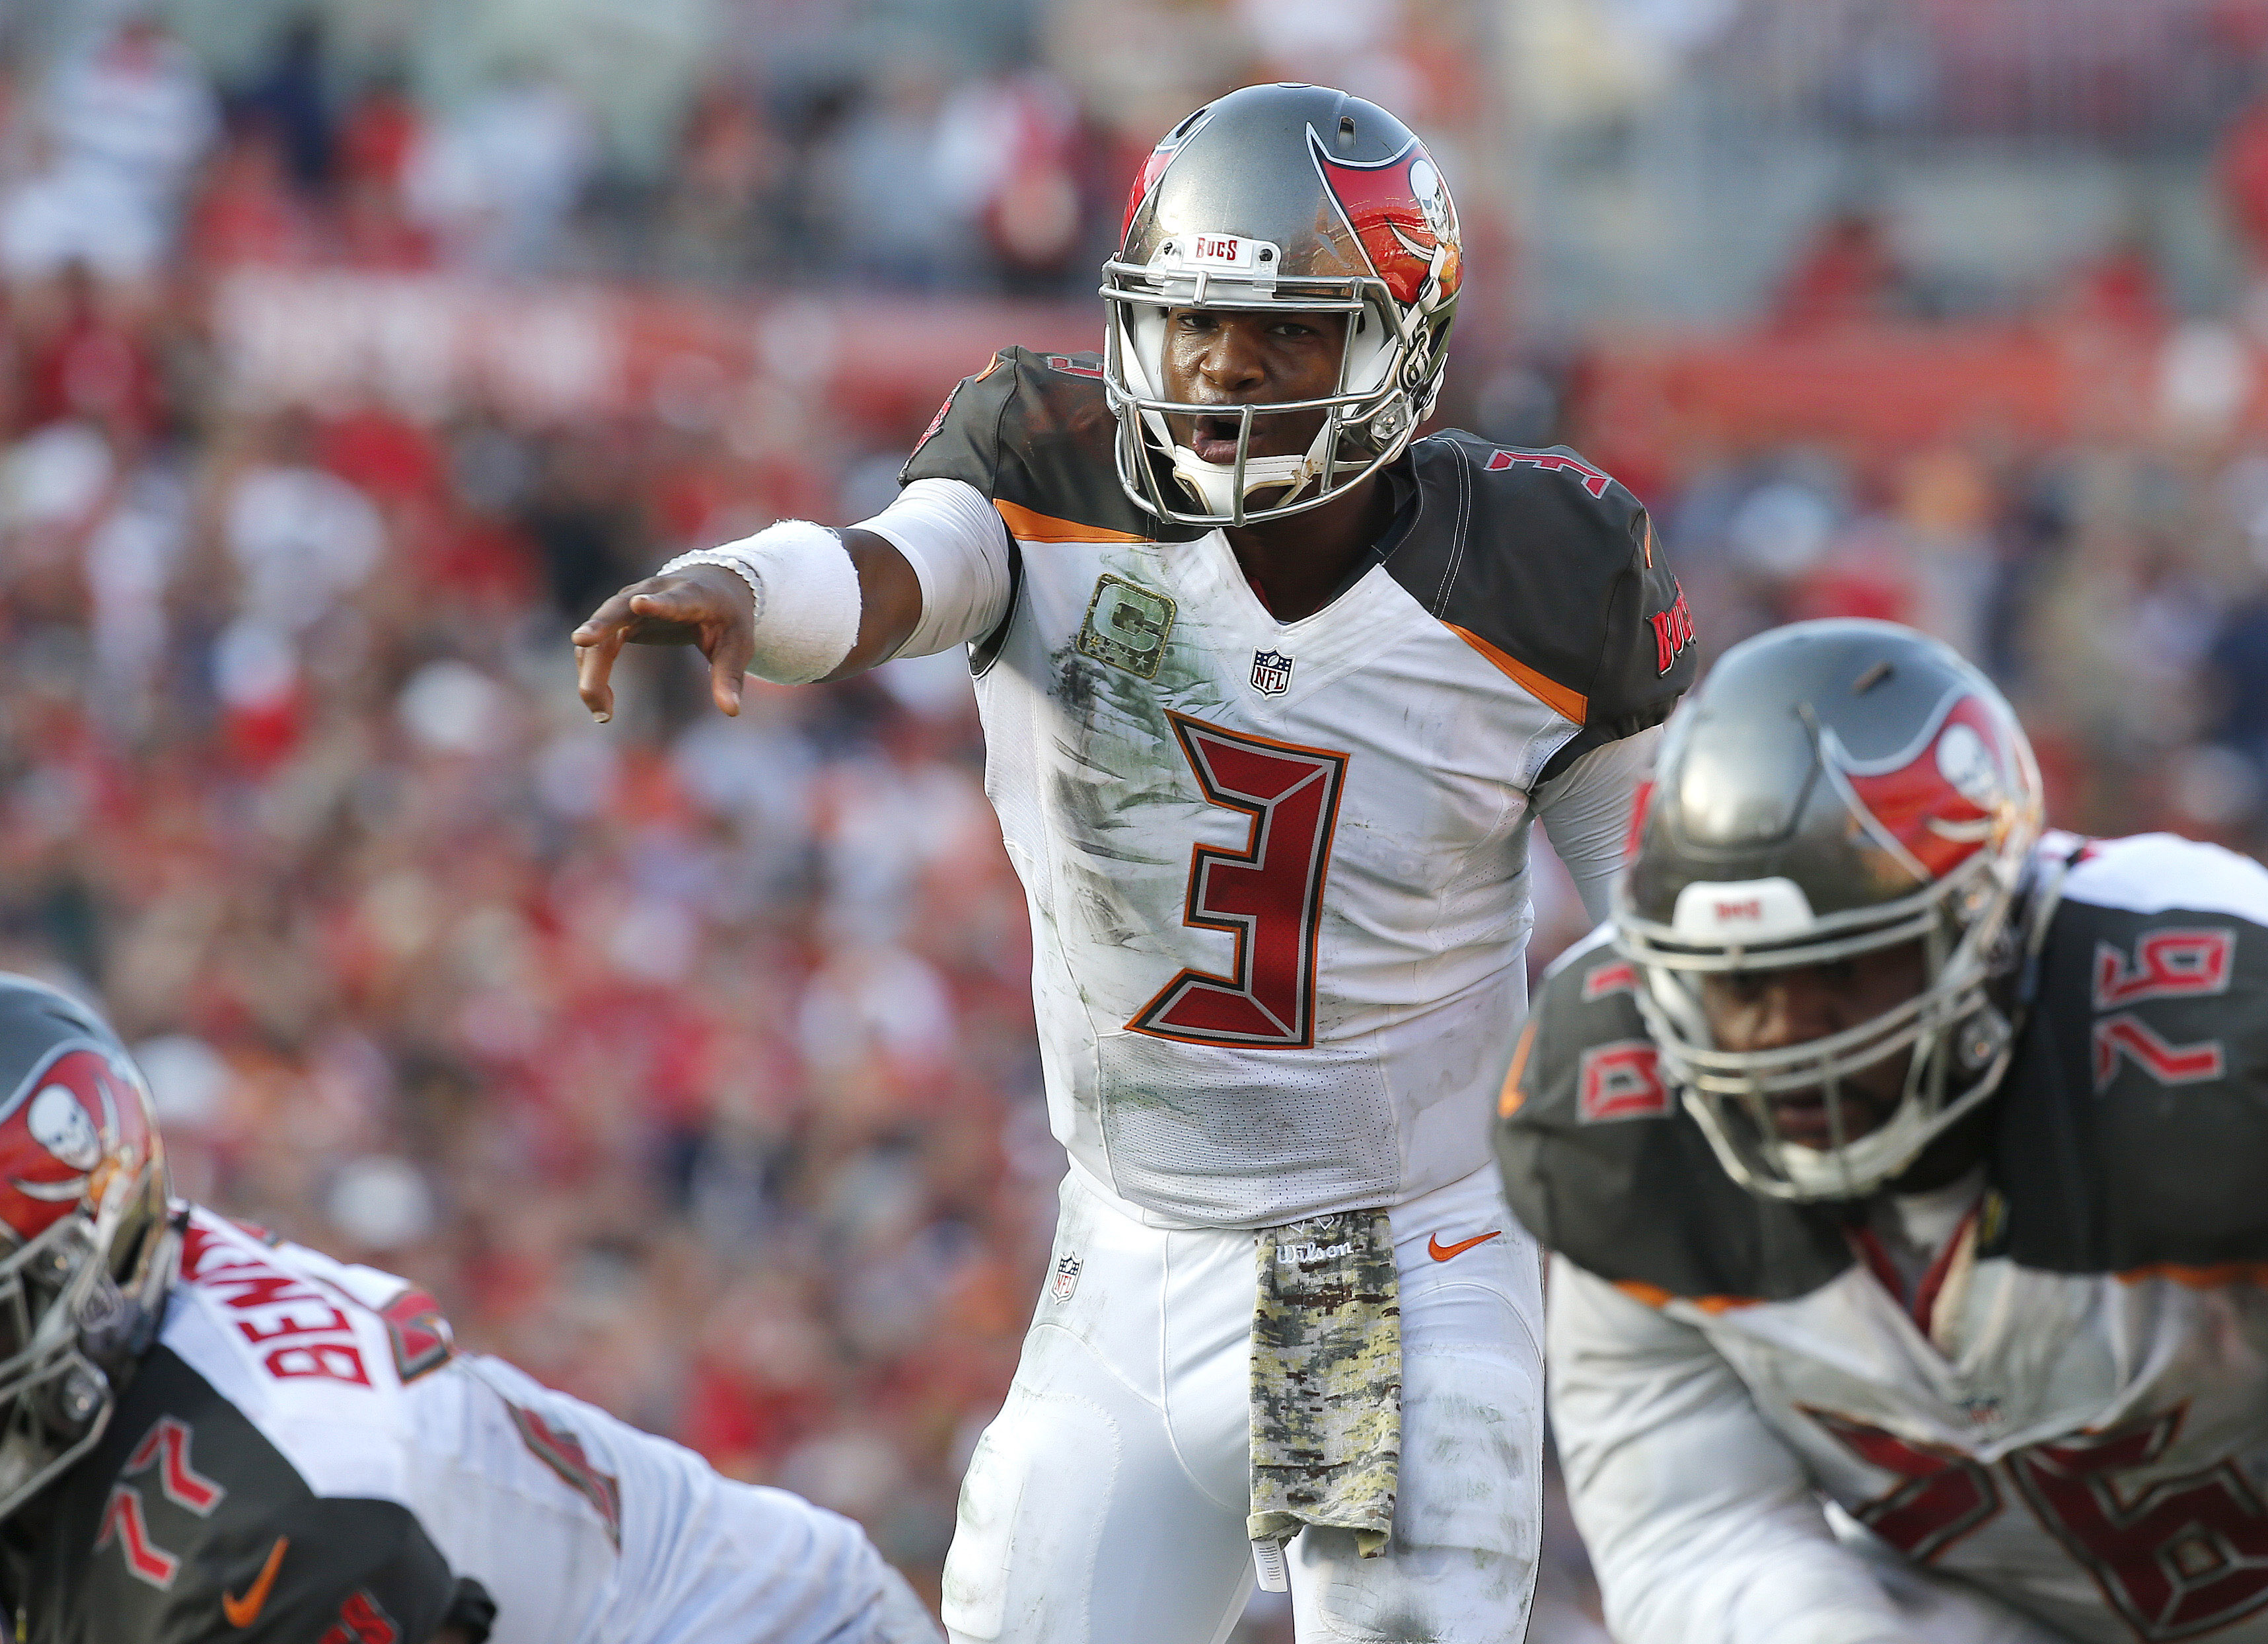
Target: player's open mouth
(1801, 1117)
(1213, 438)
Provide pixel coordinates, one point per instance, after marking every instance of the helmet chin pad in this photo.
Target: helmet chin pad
(1213, 484)
(1858, 1165)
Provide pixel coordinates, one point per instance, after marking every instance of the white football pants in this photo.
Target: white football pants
(1106, 1503)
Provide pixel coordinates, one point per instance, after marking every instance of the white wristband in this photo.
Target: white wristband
(807, 598)
(719, 556)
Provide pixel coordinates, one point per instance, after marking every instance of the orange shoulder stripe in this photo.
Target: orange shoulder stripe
(1573, 704)
(1655, 1296)
(1029, 527)
(2214, 1277)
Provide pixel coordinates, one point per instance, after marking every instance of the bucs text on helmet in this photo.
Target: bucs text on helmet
(1834, 788)
(87, 1246)
(1286, 199)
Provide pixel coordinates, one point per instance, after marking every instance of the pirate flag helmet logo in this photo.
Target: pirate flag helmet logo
(1401, 213)
(88, 1244)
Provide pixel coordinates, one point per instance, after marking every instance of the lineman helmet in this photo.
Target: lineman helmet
(1292, 199)
(1833, 788)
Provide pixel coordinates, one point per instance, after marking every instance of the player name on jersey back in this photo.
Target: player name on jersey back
(305, 1454)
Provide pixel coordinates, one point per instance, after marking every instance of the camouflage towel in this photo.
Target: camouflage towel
(1327, 1379)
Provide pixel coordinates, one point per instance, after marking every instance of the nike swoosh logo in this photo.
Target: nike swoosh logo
(1442, 1252)
(242, 1612)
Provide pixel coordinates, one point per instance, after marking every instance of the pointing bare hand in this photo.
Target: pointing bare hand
(705, 606)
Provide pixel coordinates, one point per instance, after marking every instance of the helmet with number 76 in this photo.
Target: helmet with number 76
(1287, 199)
(1832, 790)
(87, 1244)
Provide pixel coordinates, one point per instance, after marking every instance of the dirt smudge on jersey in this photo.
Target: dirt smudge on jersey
(1128, 806)
(1113, 747)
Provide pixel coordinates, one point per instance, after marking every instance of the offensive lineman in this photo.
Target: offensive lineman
(206, 1435)
(1272, 696)
(1907, 1170)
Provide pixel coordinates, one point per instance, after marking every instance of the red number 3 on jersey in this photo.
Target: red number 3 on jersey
(1269, 896)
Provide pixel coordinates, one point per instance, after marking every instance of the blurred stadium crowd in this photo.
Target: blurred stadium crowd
(689, 1060)
(976, 147)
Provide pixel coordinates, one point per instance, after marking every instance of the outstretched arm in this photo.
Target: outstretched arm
(800, 603)
(711, 607)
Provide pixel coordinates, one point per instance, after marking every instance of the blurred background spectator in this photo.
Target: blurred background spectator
(106, 139)
(351, 351)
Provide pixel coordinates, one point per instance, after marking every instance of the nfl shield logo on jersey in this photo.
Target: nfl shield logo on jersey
(1271, 673)
(1067, 1269)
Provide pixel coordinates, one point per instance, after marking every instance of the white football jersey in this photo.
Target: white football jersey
(2089, 1448)
(1278, 870)
(285, 1385)
(2068, 1411)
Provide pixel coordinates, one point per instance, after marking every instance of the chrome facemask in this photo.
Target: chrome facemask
(1957, 1035)
(67, 1331)
(1367, 419)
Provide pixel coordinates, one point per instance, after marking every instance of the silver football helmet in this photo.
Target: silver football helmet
(88, 1248)
(1834, 788)
(1294, 199)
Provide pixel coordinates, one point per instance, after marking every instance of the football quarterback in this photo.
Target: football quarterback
(206, 1434)
(1904, 1164)
(1273, 691)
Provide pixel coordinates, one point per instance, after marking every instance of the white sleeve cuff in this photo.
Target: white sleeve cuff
(958, 548)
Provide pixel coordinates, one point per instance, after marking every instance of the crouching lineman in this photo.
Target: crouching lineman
(1908, 1174)
(208, 1435)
